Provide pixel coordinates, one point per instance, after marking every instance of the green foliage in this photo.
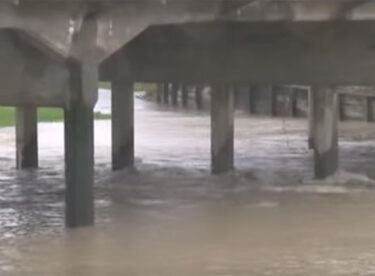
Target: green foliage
(45, 114)
(6, 116)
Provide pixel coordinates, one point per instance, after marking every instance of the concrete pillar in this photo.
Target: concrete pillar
(199, 97)
(122, 124)
(159, 92)
(166, 93)
(222, 129)
(341, 107)
(293, 103)
(174, 93)
(252, 101)
(273, 101)
(184, 95)
(368, 112)
(325, 134)
(310, 118)
(79, 147)
(26, 137)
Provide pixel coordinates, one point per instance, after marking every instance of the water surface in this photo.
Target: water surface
(171, 217)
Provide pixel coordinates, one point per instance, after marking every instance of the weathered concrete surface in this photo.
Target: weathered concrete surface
(79, 151)
(199, 97)
(166, 93)
(28, 76)
(54, 27)
(159, 92)
(26, 137)
(310, 118)
(122, 124)
(184, 95)
(325, 132)
(174, 94)
(222, 129)
(337, 53)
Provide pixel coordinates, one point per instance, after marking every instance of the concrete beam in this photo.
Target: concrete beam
(257, 53)
(26, 137)
(79, 149)
(325, 134)
(222, 129)
(122, 124)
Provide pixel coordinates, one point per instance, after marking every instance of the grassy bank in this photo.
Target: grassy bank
(7, 115)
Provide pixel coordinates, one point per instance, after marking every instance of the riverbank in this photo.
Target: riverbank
(46, 114)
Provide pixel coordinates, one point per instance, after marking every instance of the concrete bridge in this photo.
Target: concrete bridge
(54, 52)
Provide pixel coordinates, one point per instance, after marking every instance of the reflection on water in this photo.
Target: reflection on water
(170, 217)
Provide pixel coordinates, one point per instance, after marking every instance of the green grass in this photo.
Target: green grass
(46, 114)
(138, 86)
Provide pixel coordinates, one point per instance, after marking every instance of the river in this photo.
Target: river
(169, 216)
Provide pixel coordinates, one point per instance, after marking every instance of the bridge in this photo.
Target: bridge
(54, 53)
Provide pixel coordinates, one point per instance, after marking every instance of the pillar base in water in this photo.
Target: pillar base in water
(222, 130)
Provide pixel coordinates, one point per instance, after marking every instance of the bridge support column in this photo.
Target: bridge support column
(174, 92)
(198, 97)
(159, 92)
(184, 95)
(252, 102)
(325, 134)
(166, 93)
(368, 111)
(293, 103)
(122, 124)
(273, 101)
(222, 129)
(79, 147)
(310, 118)
(26, 137)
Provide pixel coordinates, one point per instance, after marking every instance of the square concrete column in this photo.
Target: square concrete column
(26, 137)
(184, 95)
(199, 97)
(222, 129)
(273, 100)
(122, 124)
(341, 107)
(310, 118)
(252, 102)
(368, 110)
(293, 103)
(325, 135)
(174, 94)
(166, 93)
(159, 92)
(79, 147)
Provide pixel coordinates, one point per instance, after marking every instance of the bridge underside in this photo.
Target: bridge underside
(313, 53)
(54, 53)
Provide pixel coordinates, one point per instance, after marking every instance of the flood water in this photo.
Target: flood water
(171, 217)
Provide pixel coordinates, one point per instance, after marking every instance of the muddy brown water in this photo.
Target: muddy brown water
(171, 217)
